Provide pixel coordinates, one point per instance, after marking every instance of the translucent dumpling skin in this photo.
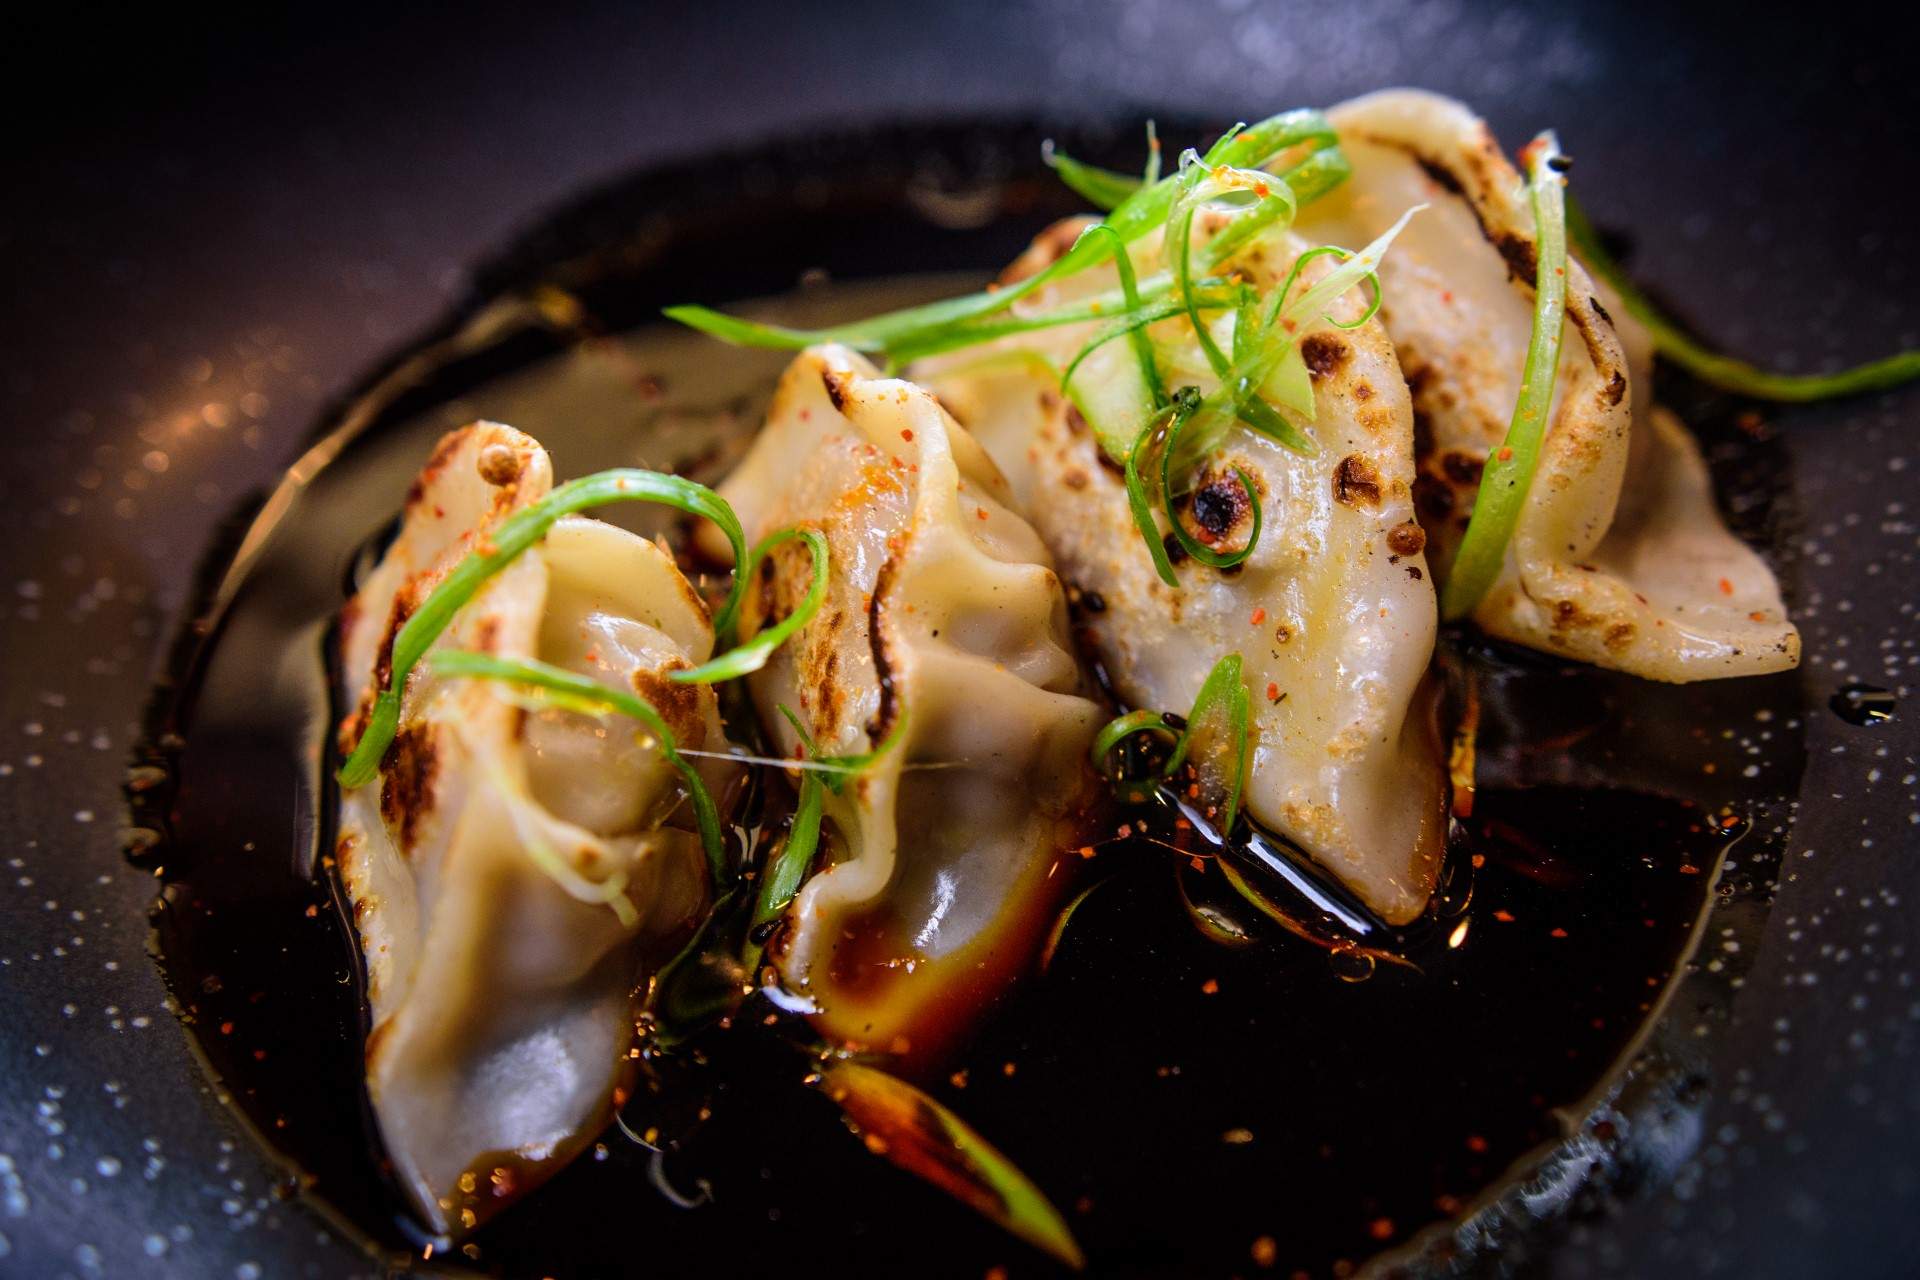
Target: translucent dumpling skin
(500, 992)
(1333, 614)
(1620, 558)
(945, 634)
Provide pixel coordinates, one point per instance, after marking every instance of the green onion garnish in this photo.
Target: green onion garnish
(1723, 371)
(575, 692)
(1222, 710)
(788, 868)
(1509, 469)
(514, 535)
(1218, 724)
(1102, 188)
(913, 328)
(1137, 333)
(837, 771)
(914, 1132)
(1193, 546)
(1124, 730)
(751, 656)
(1139, 502)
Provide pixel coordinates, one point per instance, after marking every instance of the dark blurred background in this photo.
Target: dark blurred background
(215, 223)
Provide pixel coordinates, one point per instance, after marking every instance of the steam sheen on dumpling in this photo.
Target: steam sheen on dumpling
(501, 1002)
(1620, 558)
(943, 615)
(1333, 613)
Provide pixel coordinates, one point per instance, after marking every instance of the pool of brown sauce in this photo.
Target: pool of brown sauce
(1188, 1105)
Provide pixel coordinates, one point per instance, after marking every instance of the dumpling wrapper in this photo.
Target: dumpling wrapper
(943, 609)
(1620, 557)
(501, 1003)
(1333, 613)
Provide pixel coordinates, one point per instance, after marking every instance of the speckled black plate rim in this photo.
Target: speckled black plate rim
(987, 176)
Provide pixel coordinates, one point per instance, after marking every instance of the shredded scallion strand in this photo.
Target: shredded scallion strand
(750, 656)
(582, 693)
(1134, 216)
(505, 544)
(1101, 188)
(1223, 707)
(1193, 546)
(1137, 333)
(1140, 503)
(1509, 469)
(1724, 371)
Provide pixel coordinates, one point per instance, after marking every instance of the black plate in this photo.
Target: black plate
(1797, 1162)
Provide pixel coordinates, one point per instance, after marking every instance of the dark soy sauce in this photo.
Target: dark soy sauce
(1190, 1107)
(1863, 704)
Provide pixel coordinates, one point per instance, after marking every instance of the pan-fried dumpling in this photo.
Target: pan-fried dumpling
(1620, 558)
(944, 634)
(1333, 614)
(483, 863)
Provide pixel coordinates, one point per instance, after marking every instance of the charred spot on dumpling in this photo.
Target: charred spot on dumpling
(1356, 482)
(836, 384)
(1518, 251)
(1406, 539)
(1324, 353)
(499, 464)
(1047, 248)
(1568, 614)
(883, 718)
(443, 451)
(677, 703)
(1619, 636)
(407, 777)
(1616, 387)
(1440, 175)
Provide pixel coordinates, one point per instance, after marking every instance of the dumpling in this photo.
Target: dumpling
(1333, 613)
(1620, 558)
(511, 870)
(943, 640)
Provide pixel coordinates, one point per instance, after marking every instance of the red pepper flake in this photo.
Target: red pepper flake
(906, 433)
(1688, 869)
(1726, 587)
(1006, 1068)
(958, 1079)
(996, 1273)
(1446, 296)
(1558, 933)
(1756, 616)
(1479, 861)
(1265, 1251)
(981, 512)
(1505, 454)
(1504, 917)
(1476, 1144)
(312, 912)
(226, 1028)
(1259, 616)
(1381, 1228)
(1211, 986)
(1273, 692)
(1729, 822)
(1086, 851)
